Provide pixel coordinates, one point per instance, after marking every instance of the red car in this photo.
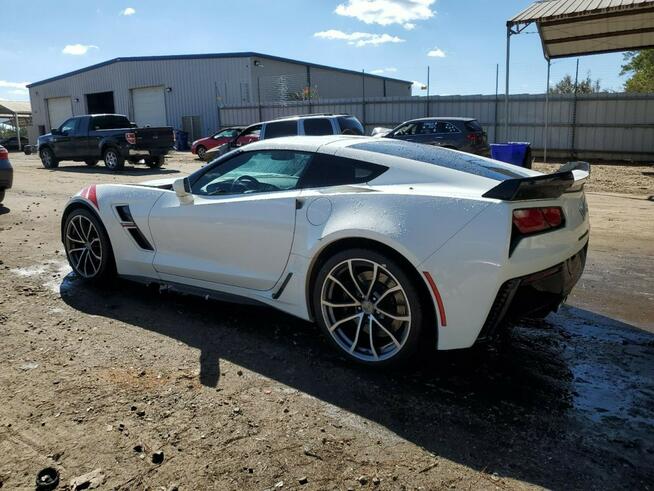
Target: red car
(225, 135)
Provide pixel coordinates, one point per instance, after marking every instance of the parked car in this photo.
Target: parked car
(465, 134)
(11, 143)
(380, 131)
(6, 173)
(386, 244)
(199, 147)
(310, 125)
(110, 137)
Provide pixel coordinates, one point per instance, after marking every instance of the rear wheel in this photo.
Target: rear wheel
(48, 159)
(91, 163)
(201, 151)
(87, 246)
(368, 307)
(155, 162)
(113, 160)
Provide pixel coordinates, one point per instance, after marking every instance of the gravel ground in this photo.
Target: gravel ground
(248, 398)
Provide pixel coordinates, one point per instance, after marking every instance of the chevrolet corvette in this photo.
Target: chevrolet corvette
(387, 245)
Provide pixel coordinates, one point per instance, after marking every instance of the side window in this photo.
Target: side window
(426, 128)
(350, 125)
(281, 128)
(254, 172)
(330, 170)
(69, 126)
(318, 126)
(406, 129)
(445, 127)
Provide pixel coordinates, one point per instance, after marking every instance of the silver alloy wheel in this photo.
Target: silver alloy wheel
(83, 246)
(47, 158)
(201, 152)
(111, 159)
(366, 310)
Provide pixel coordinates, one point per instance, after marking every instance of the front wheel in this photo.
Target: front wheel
(87, 246)
(113, 160)
(201, 151)
(48, 159)
(368, 307)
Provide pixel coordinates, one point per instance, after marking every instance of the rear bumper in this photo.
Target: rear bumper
(533, 295)
(138, 153)
(6, 174)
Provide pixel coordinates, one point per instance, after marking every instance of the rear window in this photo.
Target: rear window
(350, 125)
(330, 170)
(473, 125)
(109, 122)
(318, 126)
(437, 156)
(281, 128)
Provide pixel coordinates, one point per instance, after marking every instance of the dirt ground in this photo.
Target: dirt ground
(248, 398)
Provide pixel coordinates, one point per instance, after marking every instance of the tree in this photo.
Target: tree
(585, 86)
(640, 66)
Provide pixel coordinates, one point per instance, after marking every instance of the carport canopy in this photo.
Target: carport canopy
(15, 111)
(586, 27)
(582, 27)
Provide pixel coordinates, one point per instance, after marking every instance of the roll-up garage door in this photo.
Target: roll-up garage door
(149, 106)
(59, 110)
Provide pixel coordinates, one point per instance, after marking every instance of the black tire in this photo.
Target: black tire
(48, 158)
(407, 333)
(2, 195)
(155, 162)
(84, 262)
(91, 163)
(200, 151)
(113, 159)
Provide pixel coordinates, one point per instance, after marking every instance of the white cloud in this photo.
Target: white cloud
(379, 71)
(77, 49)
(387, 12)
(358, 39)
(18, 91)
(128, 11)
(16, 86)
(417, 85)
(437, 53)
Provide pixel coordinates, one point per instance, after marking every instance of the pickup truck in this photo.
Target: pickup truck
(110, 137)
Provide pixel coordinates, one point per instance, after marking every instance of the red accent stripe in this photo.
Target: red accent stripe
(92, 196)
(439, 300)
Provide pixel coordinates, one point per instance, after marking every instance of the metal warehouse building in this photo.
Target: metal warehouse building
(187, 91)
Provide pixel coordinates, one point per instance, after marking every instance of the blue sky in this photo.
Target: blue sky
(466, 38)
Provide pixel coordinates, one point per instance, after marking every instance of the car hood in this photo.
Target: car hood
(166, 183)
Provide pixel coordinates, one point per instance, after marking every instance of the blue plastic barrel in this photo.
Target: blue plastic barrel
(512, 153)
(181, 141)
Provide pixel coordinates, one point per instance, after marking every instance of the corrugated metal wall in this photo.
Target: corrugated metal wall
(610, 126)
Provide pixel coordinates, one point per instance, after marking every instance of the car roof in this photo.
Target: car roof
(442, 118)
(307, 116)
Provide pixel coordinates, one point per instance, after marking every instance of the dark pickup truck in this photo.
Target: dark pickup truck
(110, 137)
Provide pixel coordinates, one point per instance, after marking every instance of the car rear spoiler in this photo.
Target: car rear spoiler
(570, 177)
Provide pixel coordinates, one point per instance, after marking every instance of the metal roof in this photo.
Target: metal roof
(583, 27)
(21, 108)
(208, 56)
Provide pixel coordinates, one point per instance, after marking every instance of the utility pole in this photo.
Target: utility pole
(497, 88)
(363, 96)
(428, 80)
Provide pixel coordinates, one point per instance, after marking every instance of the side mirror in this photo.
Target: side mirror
(182, 188)
(55, 131)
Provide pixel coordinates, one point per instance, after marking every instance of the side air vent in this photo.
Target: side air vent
(127, 221)
(139, 238)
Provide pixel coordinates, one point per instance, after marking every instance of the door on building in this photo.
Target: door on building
(193, 126)
(59, 110)
(149, 105)
(100, 103)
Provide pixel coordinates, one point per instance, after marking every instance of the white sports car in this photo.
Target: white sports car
(386, 244)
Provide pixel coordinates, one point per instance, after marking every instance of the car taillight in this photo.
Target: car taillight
(131, 138)
(474, 138)
(4, 154)
(534, 220)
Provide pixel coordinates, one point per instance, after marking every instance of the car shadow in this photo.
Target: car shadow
(127, 170)
(4, 210)
(556, 389)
